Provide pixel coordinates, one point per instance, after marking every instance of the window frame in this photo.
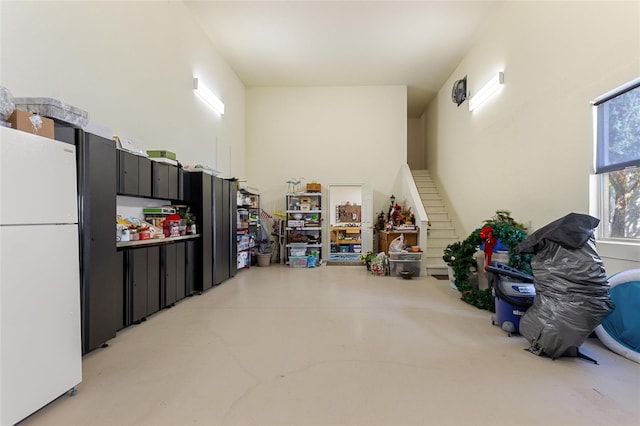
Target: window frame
(600, 169)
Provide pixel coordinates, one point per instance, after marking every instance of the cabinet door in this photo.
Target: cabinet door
(127, 173)
(169, 266)
(102, 277)
(144, 177)
(199, 197)
(226, 232)
(190, 267)
(153, 279)
(172, 183)
(138, 287)
(122, 279)
(182, 192)
(181, 266)
(220, 273)
(232, 225)
(160, 184)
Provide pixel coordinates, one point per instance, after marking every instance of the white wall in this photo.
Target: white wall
(330, 135)
(130, 65)
(415, 144)
(529, 149)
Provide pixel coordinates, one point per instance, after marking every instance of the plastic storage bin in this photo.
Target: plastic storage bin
(298, 249)
(54, 108)
(397, 266)
(297, 252)
(298, 261)
(405, 255)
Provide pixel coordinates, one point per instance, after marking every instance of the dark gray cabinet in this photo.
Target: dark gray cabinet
(101, 285)
(200, 186)
(190, 268)
(224, 229)
(153, 280)
(182, 190)
(134, 175)
(165, 181)
(181, 270)
(174, 273)
(232, 225)
(156, 278)
(170, 274)
(137, 285)
(142, 287)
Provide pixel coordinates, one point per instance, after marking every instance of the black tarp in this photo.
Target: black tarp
(572, 292)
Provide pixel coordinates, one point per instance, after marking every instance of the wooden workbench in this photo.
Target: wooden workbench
(386, 237)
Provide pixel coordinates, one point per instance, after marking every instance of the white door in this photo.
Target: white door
(37, 179)
(40, 345)
(366, 225)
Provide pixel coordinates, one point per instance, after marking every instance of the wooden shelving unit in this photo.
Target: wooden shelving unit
(304, 224)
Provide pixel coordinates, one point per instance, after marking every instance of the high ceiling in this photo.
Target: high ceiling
(344, 43)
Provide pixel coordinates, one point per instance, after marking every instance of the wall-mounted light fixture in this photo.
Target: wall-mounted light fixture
(487, 91)
(208, 96)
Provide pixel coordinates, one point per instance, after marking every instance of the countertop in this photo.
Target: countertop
(155, 241)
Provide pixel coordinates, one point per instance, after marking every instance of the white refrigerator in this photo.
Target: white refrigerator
(40, 338)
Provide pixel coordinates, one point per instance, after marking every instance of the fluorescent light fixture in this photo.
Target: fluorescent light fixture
(487, 91)
(208, 96)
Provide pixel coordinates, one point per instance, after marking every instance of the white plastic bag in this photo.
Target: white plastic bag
(6, 103)
(397, 244)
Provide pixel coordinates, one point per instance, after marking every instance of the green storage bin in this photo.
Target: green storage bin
(162, 154)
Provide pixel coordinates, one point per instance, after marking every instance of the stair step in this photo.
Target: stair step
(440, 242)
(434, 258)
(441, 224)
(441, 232)
(438, 217)
(437, 270)
(439, 220)
(432, 209)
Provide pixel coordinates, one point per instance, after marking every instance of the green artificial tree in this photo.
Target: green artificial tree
(460, 256)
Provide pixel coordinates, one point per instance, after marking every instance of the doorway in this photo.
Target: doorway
(350, 223)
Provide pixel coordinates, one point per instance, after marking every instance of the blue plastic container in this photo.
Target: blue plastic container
(498, 247)
(512, 301)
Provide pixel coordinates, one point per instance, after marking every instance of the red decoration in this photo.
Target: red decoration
(486, 235)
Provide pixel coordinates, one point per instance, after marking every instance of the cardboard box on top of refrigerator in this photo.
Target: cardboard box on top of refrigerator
(32, 123)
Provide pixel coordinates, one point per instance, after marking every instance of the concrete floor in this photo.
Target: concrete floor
(336, 345)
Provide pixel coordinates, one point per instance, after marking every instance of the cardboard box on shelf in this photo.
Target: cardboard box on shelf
(32, 123)
(314, 187)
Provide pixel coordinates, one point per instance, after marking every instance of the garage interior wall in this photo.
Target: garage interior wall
(529, 148)
(330, 135)
(415, 144)
(131, 66)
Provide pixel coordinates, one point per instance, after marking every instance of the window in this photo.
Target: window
(617, 161)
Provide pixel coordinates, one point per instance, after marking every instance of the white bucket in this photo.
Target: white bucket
(264, 259)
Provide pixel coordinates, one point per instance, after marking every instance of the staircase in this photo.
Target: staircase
(441, 232)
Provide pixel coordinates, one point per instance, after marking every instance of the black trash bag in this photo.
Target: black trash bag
(572, 291)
